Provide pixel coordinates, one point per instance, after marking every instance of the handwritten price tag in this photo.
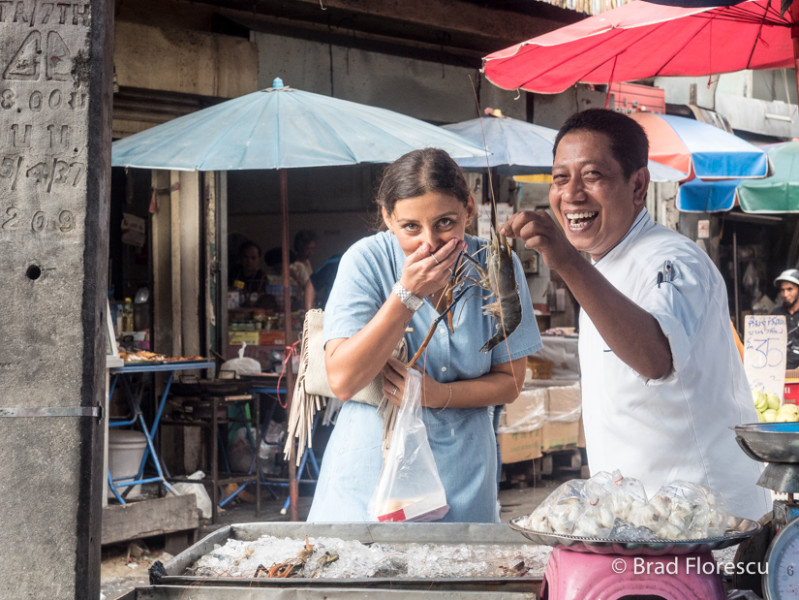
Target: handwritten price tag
(765, 340)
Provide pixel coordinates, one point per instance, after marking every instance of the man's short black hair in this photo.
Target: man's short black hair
(628, 141)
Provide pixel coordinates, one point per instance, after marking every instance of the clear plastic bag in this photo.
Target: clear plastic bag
(691, 510)
(611, 506)
(236, 367)
(409, 487)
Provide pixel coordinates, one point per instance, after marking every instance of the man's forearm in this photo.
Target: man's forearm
(630, 332)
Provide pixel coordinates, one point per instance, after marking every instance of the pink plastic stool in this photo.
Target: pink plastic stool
(574, 575)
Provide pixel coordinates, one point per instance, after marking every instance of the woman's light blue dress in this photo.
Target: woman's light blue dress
(462, 440)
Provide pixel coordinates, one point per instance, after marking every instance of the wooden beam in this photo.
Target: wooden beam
(448, 25)
(147, 518)
(452, 16)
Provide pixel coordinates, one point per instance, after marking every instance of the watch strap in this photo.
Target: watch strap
(411, 301)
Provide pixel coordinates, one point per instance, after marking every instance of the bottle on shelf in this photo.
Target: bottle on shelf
(127, 315)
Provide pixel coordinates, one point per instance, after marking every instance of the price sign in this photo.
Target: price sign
(504, 212)
(765, 340)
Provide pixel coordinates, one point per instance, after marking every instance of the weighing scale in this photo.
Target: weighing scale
(583, 568)
(776, 549)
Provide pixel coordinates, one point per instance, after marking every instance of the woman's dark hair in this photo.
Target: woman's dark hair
(419, 172)
(628, 141)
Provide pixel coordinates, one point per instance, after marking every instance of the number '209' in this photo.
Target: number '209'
(15, 220)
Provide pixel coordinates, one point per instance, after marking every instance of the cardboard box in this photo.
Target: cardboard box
(528, 411)
(516, 447)
(581, 434)
(272, 338)
(559, 436)
(564, 404)
(236, 338)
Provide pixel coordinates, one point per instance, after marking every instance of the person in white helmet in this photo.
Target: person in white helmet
(788, 284)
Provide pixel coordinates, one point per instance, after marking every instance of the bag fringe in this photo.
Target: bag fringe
(304, 406)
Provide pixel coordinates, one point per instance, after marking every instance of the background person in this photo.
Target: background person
(662, 380)
(249, 272)
(301, 270)
(788, 284)
(392, 280)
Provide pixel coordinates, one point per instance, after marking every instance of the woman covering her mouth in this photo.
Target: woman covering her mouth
(392, 280)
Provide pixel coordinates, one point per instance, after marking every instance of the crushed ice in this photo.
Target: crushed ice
(239, 558)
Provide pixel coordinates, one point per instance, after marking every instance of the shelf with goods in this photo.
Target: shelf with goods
(263, 332)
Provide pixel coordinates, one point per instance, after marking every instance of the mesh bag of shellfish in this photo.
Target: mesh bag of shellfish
(611, 506)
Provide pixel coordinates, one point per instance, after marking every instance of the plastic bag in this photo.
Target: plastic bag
(690, 511)
(201, 496)
(236, 367)
(611, 506)
(409, 487)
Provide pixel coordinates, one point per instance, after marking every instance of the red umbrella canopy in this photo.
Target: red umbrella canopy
(642, 39)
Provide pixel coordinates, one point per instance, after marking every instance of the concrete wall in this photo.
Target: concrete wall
(55, 94)
(430, 91)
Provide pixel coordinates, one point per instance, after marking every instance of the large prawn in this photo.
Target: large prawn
(499, 279)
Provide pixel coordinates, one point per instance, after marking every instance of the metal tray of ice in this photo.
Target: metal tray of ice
(212, 592)
(409, 556)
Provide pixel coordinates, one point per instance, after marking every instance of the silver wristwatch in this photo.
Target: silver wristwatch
(411, 301)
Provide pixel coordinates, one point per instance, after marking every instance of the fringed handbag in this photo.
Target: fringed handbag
(311, 389)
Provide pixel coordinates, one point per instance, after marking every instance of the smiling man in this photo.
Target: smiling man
(662, 380)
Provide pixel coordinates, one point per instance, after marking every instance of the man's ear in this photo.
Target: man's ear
(640, 185)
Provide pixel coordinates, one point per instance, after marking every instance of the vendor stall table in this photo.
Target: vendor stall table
(272, 389)
(228, 405)
(136, 416)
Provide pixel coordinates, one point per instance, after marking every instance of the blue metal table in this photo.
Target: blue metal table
(137, 417)
(272, 389)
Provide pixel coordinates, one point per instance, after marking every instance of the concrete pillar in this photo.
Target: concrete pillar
(55, 123)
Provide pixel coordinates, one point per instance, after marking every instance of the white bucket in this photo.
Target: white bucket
(125, 452)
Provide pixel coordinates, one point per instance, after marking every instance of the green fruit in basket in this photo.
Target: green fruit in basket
(773, 400)
(788, 412)
(761, 402)
(769, 415)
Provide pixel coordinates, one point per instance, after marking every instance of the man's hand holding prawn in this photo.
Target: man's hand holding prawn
(540, 232)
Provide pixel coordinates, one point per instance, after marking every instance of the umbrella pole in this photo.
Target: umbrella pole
(735, 277)
(294, 486)
(794, 11)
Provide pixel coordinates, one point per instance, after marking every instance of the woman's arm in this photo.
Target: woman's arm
(352, 363)
(310, 295)
(501, 385)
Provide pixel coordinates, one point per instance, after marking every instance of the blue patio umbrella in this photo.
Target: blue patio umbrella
(514, 147)
(707, 196)
(659, 172)
(700, 149)
(282, 128)
(777, 194)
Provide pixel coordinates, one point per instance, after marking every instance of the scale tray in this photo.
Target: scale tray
(738, 530)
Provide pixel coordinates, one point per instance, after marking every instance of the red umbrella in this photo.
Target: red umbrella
(642, 39)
